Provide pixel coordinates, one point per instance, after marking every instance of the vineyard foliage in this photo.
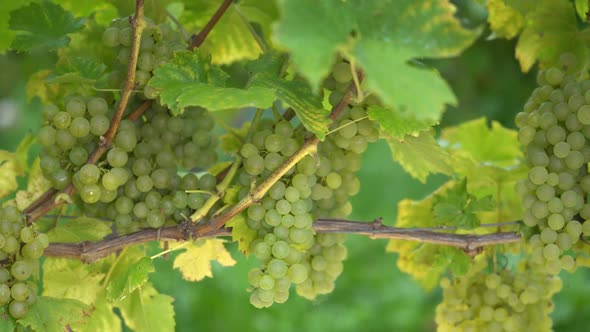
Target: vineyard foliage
(170, 129)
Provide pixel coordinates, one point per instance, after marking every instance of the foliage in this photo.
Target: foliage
(124, 173)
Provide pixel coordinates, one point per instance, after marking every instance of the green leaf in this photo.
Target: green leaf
(6, 35)
(551, 29)
(380, 37)
(78, 71)
(102, 318)
(49, 314)
(505, 21)
(147, 310)
(79, 230)
(456, 207)
(497, 145)
(231, 40)
(195, 262)
(241, 233)
(71, 279)
(453, 258)
(37, 184)
(189, 79)
(397, 124)
(7, 323)
(130, 278)
(306, 105)
(43, 25)
(582, 8)
(421, 155)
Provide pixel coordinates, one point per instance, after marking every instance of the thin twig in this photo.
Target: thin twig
(93, 251)
(138, 112)
(137, 25)
(198, 39)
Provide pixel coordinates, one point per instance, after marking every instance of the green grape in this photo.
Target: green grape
(274, 143)
(47, 136)
(89, 174)
(277, 268)
(78, 156)
(554, 76)
(256, 212)
(551, 251)
(146, 61)
(64, 139)
(27, 235)
(155, 219)
(79, 127)
(76, 106)
(126, 140)
(21, 270)
(160, 178)
(254, 165)
(20, 291)
(60, 179)
(62, 120)
(266, 282)
(110, 181)
(99, 125)
(280, 249)
(17, 309)
(144, 183)
(90, 193)
(342, 73)
(97, 106)
(116, 157)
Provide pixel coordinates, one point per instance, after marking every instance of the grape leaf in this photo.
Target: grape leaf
(77, 71)
(147, 310)
(380, 37)
(297, 94)
(497, 145)
(49, 314)
(420, 155)
(397, 124)
(70, 279)
(37, 184)
(7, 323)
(456, 207)
(551, 29)
(6, 35)
(231, 39)
(424, 262)
(43, 25)
(241, 233)
(133, 277)
(195, 262)
(505, 21)
(14, 164)
(102, 318)
(79, 230)
(189, 79)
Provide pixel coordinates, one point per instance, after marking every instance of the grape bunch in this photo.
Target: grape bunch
(318, 186)
(502, 301)
(138, 185)
(554, 129)
(158, 44)
(20, 250)
(69, 135)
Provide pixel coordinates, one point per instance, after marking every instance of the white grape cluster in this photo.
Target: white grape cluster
(158, 44)
(139, 185)
(504, 301)
(319, 186)
(554, 128)
(20, 250)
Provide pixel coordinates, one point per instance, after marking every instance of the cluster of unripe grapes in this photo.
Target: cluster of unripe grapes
(318, 186)
(20, 250)
(554, 128)
(139, 184)
(157, 46)
(502, 301)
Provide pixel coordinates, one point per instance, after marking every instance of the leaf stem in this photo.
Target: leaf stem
(198, 39)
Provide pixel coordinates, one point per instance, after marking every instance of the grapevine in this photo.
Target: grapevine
(251, 137)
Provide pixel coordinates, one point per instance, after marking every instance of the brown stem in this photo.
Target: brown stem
(92, 251)
(140, 110)
(198, 39)
(41, 200)
(137, 25)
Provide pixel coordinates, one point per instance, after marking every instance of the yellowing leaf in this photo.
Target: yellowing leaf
(147, 310)
(37, 184)
(71, 279)
(505, 21)
(195, 262)
(241, 233)
(421, 155)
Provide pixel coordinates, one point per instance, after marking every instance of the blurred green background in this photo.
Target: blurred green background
(371, 295)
